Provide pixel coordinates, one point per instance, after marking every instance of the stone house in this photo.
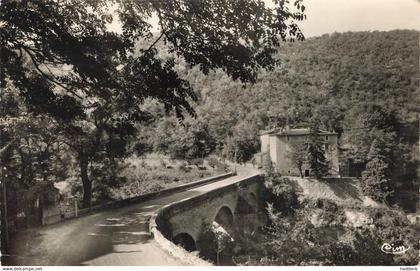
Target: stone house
(277, 144)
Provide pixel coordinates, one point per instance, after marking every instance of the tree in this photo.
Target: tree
(216, 243)
(99, 140)
(67, 64)
(316, 151)
(368, 121)
(298, 155)
(32, 157)
(243, 143)
(287, 239)
(73, 36)
(377, 176)
(189, 141)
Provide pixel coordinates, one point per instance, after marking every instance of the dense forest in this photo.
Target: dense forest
(363, 85)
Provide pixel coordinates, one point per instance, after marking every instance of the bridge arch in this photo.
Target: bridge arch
(224, 217)
(186, 241)
(246, 204)
(253, 200)
(217, 239)
(246, 213)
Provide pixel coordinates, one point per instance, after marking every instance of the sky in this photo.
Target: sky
(328, 16)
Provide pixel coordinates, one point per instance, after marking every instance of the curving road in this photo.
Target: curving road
(113, 237)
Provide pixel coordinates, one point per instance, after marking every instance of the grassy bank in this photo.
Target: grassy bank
(138, 176)
(153, 174)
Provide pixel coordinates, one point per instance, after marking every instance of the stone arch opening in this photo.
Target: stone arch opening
(216, 242)
(253, 201)
(246, 216)
(224, 218)
(186, 241)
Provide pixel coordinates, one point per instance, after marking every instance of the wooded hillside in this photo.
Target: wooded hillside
(363, 85)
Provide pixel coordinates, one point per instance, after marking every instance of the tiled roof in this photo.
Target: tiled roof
(295, 131)
(269, 132)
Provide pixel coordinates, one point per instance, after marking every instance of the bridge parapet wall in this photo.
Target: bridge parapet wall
(191, 216)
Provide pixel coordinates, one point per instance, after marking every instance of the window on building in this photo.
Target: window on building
(326, 137)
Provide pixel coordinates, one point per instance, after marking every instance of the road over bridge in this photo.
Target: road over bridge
(121, 236)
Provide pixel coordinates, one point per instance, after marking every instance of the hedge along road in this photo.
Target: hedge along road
(117, 236)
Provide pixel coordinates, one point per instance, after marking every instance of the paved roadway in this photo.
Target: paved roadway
(117, 236)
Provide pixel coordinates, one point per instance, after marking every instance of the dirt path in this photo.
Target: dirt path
(114, 237)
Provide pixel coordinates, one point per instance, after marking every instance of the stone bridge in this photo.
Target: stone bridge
(238, 209)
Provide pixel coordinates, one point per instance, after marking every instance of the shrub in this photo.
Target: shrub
(222, 167)
(182, 167)
(340, 253)
(281, 193)
(162, 163)
(292, 239)
(267, 164)
(196, 162)
(143, 164)
(327, 205)
(213, 162)
(289, 239)
(216, 244)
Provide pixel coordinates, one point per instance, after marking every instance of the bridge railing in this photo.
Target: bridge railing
(142, 198)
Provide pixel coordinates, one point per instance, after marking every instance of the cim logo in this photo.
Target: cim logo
(397, 247)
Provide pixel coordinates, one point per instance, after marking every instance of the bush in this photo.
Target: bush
(292, 239)
(222, 167)
(288, 238)
(216, 246)
(196, 162)
(213, 162)
(162, 163)
(182, 167)
(340, 253)
(281, 193)
(143, 164)
(327, 205)
(101, 194)
(267, 164)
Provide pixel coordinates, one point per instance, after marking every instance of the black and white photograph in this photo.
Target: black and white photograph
(243, 133)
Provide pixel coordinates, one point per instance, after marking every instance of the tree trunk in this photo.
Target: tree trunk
(301, 172)
(87, 183)
(22, 165)
(4, 222)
